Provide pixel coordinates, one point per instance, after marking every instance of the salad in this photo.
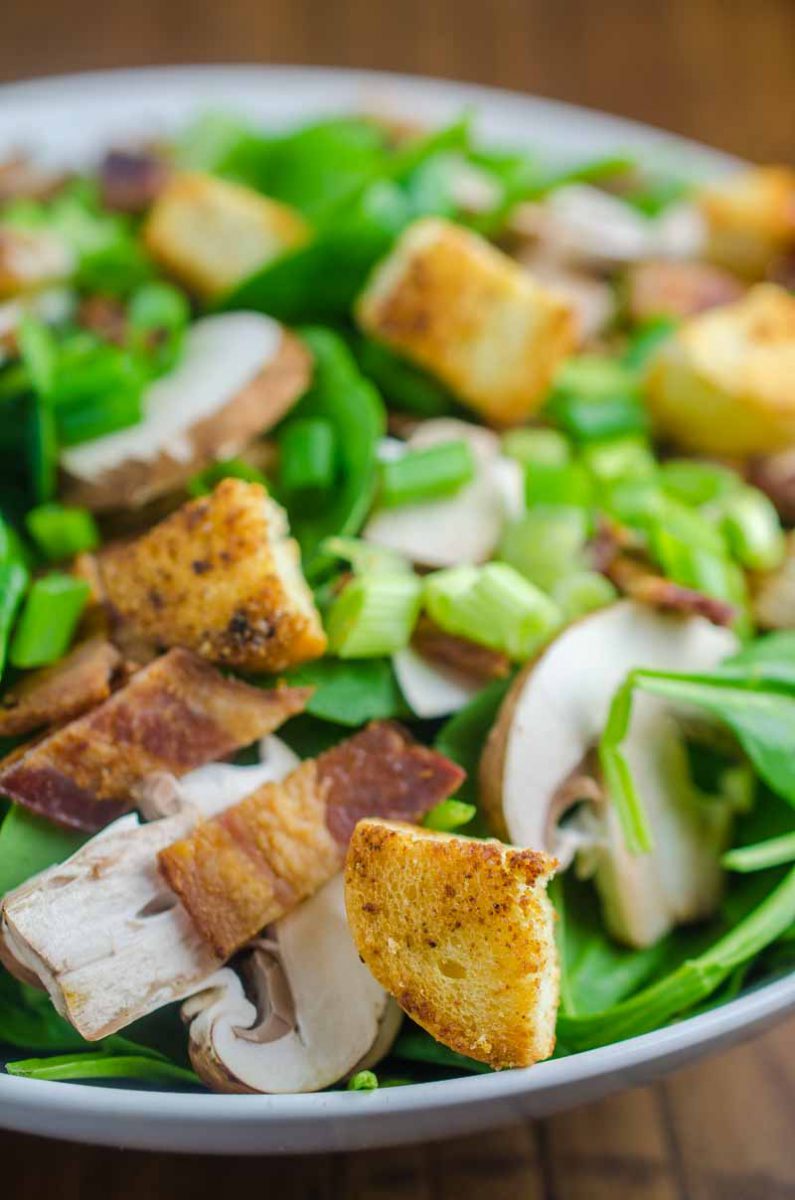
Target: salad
(397, 604)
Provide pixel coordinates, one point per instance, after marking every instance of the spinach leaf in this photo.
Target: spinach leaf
(320, 281)
(29, 844)
(93, 1065)
(340, 395)
(415, 1045)
(462, 739)
(351, 691)
(693, 982)
(768, 662)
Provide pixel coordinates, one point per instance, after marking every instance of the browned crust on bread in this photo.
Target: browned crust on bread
(253, 410)
(461, 933)
(209, 578)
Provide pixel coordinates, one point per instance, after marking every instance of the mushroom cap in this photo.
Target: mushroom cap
(556, 710)
(323, 1013)
(459, 529)
(238, 375)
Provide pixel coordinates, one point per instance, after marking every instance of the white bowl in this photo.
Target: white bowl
(68, 120)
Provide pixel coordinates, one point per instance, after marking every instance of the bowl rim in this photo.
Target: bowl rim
(108, 1104)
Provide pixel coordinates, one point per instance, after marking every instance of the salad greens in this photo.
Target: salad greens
(588, 507)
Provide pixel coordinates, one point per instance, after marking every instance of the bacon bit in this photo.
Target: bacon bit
(609, 541)
(678, 289)
(466, 659)
(176, 714)
(63, 691)
(104, 315)
(635, 579)
(130, 181)
(251, 864)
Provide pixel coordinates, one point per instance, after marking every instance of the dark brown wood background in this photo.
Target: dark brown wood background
(719, 70)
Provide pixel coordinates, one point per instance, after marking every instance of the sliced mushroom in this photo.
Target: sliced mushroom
(239, 374)
(102, 932)
(550, 723)
(463, 528)
(312, 1015)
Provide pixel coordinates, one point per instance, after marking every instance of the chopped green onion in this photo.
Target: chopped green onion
(619, 458)
(753, 530)
(49, 618)
(546, 543)
(582, 592)
(646, 340)
(634, 502)
(696, 483)
(43, 450)
(427, 474)
(771, 853)
(13, 581)
(530, 447)
(308, 455)
(493, 605)
(61, 532)
(158, 315)
(595, 398)
(204, 481)
(374, 615)
(363, 1081)
(38, 353)
(96, 416)
(448, 815)
(567, 484)
(364, 557)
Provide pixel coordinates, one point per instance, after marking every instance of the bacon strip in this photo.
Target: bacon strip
(173, 715)
(638, 581)
(63, 691)
(470, 661)
(130, 181)
(249, 865)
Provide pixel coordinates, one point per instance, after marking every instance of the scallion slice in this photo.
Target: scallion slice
(567, 484)
(532, 446)
(448, 815)
(753, 530)
(582, 592)
(204, 481)
(95, 416)
(772, 853)
(427, 474)
(308, 455)
(49, 618)
(374, 615)
(61, 532)
(493, 605)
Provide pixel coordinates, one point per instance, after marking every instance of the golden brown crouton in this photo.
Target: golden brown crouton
(221, 577)
(462, 309)
(725, 383)
(750, 219)
(461, 932)
(210, 234)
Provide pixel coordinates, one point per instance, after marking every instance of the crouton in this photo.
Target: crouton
(210, 234)
(468, 314)
(461, 932)
(750, 219)
(220, 576)
(31, 259)
(725, 383)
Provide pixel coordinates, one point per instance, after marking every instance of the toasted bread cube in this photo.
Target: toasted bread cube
(461, 932)
(750, 218)
(725, 383)
(210, 234)
(455, 305)
(221, 577)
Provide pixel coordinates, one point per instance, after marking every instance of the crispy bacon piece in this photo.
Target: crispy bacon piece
(130, 181)
(173, 715)
(252, 863)
(466, 659)
(22, 179)
(678, 289)
(63, 691)
(637, 580)
(104, 315)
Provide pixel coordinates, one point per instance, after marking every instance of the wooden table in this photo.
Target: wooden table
(719, 70)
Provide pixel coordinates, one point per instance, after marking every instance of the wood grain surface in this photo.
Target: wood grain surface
(719, 70)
